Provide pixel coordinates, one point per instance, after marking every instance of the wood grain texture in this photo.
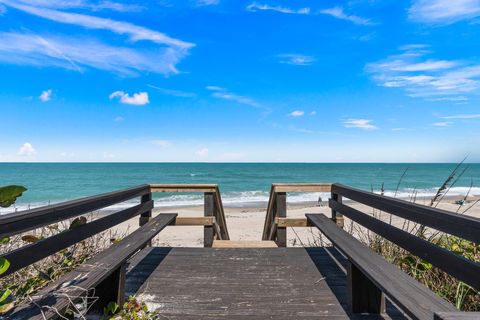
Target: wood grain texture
(455, 265)
(412, 297)
(14, 223)
(90, 274)
(463, 226)
(292, 222)
(244, 244)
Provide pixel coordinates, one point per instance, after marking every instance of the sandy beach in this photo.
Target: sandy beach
(247, 223)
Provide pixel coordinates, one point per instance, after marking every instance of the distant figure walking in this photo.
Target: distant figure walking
(320, 202)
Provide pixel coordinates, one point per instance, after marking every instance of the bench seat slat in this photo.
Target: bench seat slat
(89, 274)
(412, 297)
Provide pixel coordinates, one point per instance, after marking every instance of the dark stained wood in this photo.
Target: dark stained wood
(270, 216)
(363, 294)
(412, 297)
(457, 316)
(463, 226)
(337, 217)
(209, 208)
(34, 252)
(147, 215)
(14, 223)
(439, 257)
(112, 289)
(221, 224)
(90, 274)
(281, 212)
(252, 283)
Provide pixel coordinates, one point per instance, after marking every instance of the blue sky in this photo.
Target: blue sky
(217, 80)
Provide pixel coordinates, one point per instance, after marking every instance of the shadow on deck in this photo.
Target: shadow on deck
(260, 283)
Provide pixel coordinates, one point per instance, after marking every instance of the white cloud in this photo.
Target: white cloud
(108, 155)
(171, 92)
(256, 6)
(437, 80)
(118, 119)
(202, 153)
(138, 99)
(463, 116)
(77, 53)
(161, 143)
(46, 95)
(297, 113)
(135, 32)
(338, 12)
(83, 4)
(313, 113)
(443, 11)
(296, 59)
(222, 93)
(360, 124)
(26, 150)
(201, 3)
(442, 124)
(3, 10)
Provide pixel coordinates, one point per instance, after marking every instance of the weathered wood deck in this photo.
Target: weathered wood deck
(252, 283)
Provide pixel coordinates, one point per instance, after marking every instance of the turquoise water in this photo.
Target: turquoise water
(240, 183)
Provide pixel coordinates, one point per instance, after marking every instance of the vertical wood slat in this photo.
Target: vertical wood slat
(147, 215)
(363, 295)
(281, 212)
(337, 217)
(111, 289)
(209, 210)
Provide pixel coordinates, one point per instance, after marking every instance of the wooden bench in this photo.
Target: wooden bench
(100, 279)
(370, 276)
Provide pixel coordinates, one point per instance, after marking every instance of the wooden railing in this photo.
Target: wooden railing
(277, 209)
(462, 226)
(213, 207)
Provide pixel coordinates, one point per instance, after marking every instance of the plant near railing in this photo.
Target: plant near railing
(8, 196)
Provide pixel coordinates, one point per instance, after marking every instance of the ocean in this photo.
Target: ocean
(241, 184)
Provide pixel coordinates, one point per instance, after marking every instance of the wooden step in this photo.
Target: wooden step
(243, 244)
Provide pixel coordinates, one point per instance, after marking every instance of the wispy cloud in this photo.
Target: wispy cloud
(160, 143)
(463, 116)
(202, 153)
(84, 4)
(336, 12)
(443, 11)
(339, 13)
(442, 124)
(265, 7)
(118, 119)
(80, 53)
(432, 79)
(137, 99)
(171, 92)
(202, 3)
(46, 95)
(296, 113)
(296, 59)
(360, 124)
(222, 93)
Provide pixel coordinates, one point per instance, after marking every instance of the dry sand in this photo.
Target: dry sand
(247, 223)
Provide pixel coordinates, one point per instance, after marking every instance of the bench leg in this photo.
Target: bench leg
(363, 295)
(112, 289)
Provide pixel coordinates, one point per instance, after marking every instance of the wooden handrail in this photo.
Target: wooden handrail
(270, 227)
(220, 230)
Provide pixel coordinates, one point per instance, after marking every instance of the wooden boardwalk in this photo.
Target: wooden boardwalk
(252, 283)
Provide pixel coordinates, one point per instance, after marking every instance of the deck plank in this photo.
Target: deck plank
(218, 283)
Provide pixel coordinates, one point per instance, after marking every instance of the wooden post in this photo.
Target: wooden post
(281, 212)
(112, 289)
(145, 217)
(337, 217)
(209, 208)
(363, 295)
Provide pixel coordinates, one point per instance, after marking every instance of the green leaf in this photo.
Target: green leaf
(9, 194)
(4, 265)
(4, 296)
(5, 240)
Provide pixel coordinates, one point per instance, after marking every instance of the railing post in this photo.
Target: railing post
(363, 295)
(209, 210)
(281, 210)
(337, 217)
(111, 289)
(145, 217)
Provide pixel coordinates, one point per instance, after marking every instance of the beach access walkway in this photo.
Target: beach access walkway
(228, 279)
